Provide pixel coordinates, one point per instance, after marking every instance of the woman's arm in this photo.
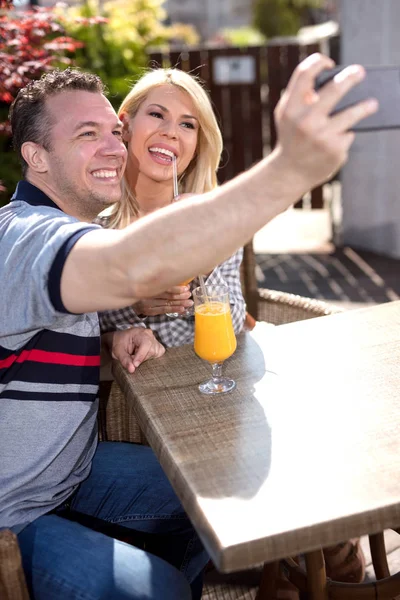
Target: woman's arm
(121, 318)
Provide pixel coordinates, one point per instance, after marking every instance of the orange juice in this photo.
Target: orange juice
(214, 338)
(186, 282)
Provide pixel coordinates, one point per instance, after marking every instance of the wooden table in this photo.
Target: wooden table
(304, 453)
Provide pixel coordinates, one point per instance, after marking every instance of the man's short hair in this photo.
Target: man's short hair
(30, 121)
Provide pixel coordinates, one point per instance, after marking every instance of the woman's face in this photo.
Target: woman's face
(166, 124)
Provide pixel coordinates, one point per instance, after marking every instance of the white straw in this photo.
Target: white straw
(203, 289)
(175, 177)
(176, 193)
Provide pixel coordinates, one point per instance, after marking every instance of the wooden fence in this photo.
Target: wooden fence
(245, 85)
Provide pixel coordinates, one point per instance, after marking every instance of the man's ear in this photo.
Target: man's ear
(35, 156)
(126, 129)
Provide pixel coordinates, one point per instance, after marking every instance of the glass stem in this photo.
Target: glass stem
(217, 373)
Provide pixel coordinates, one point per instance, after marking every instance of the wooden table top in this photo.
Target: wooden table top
(304, 453)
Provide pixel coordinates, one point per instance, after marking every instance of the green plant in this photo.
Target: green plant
(31, 43)
(113, 45)
(243, 36)
(282, 17)
(116, 48)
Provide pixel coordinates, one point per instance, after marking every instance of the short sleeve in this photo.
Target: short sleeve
(35, 244)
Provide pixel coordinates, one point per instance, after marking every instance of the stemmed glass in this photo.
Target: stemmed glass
(188, 312)
(214, 337)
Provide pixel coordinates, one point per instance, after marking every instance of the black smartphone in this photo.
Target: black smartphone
(382, 83)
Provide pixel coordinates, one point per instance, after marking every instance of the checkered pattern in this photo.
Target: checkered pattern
(176, 332)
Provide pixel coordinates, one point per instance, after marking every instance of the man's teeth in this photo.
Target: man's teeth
(162, 151)
(104, 174)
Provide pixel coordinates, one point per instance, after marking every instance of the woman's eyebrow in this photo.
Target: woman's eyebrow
(160, 106)
(165, 109)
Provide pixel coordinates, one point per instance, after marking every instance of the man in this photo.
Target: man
(58, 270)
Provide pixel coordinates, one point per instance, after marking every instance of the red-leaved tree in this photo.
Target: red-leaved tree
(32, 42)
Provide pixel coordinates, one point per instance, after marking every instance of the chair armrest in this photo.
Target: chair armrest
(12, 578)
(117, 421)
(281, 307)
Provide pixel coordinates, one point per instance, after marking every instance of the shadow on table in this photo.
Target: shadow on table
(238, 439)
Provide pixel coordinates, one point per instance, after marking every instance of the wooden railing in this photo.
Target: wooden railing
(245, 85)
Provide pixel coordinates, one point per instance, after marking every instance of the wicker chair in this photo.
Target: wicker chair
(273, 306)
(12, 579)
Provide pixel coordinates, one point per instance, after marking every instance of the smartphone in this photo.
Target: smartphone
(382, 83)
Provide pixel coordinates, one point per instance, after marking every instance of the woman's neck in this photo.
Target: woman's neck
(152, 195)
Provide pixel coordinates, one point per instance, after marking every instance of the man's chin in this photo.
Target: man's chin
(109, 199)
(97, 203)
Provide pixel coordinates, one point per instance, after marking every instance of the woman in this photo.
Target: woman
(168, 116)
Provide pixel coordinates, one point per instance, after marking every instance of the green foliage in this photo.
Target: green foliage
(10, 168)
(116, 49)
(112, 45)
(282, 17)
(243, 36)
(32, 42)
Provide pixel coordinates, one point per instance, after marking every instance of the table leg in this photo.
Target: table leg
(378, 555)
(267, 589)
(316, 575)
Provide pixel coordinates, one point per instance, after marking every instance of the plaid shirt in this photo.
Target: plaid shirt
(176, 332)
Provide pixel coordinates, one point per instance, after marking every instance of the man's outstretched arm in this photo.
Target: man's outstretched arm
(110, 269)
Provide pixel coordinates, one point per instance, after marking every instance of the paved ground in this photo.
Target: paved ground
(295, 254)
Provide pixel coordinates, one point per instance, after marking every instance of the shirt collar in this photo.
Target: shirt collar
(27, 192)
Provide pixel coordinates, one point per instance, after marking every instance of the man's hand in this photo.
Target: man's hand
(133, 346)
(312, 145)
(176, 299)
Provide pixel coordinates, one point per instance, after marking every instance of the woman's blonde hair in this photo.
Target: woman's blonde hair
(201, 174)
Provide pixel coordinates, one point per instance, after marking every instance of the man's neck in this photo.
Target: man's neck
(50, 191)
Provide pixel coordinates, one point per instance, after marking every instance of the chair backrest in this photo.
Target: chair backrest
(274, 306)
(249, 280)
(117, 421)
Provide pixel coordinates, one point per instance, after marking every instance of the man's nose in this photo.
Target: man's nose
(114, 145)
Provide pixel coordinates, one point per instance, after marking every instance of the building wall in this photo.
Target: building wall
(371, 178)
(209, 16)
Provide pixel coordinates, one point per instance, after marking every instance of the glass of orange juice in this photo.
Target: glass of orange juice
(188, 312)
(214, 337)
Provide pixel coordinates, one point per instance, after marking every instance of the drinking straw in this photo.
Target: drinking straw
(175, 177)
(203, 288)
(176, 192)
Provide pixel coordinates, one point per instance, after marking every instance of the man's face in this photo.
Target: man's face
(87, 156)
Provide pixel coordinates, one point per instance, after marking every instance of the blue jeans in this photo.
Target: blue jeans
(66, 560)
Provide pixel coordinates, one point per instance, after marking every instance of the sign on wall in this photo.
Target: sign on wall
(234, 69)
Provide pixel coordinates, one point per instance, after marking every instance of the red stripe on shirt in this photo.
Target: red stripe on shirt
(57, 358)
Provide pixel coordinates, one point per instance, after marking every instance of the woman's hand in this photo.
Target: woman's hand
(132, 346)
(175, 299)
